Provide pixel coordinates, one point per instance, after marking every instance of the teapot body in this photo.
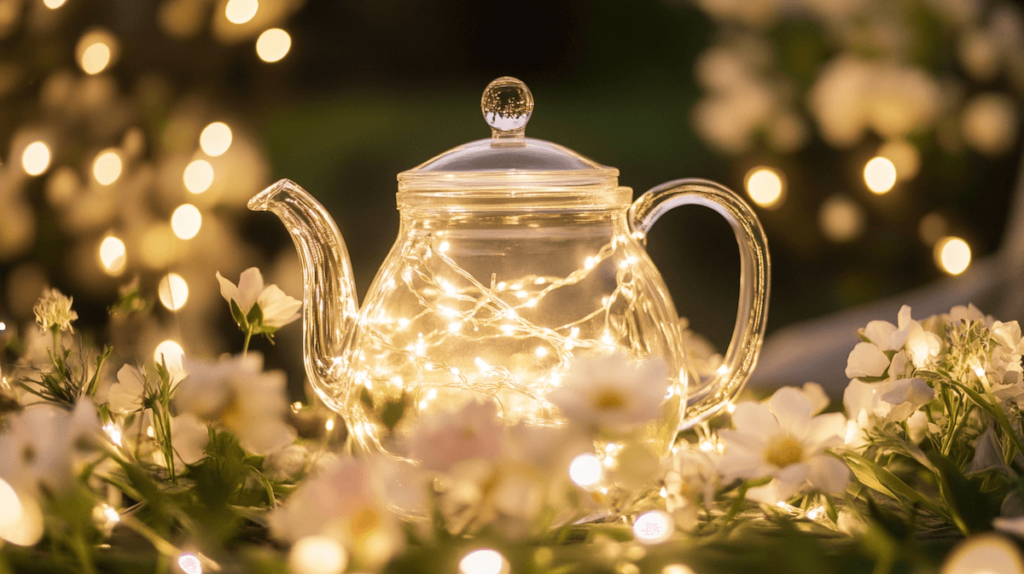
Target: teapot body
(494, 306)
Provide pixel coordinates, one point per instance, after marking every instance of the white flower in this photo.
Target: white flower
(612, 392)
(45, 446)
(126, 395)
(908, 340)
(53, 311)
(781, 439)
(444, 439)
(285, 463)
(237, 392)
(277, 308)
(887, 400)
(189, 437)
(690, 479)
(344, 503)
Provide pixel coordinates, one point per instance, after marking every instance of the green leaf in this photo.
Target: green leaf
(255, 316)
(239, 316)
(964, 495)
(394, 410)
(871, 474)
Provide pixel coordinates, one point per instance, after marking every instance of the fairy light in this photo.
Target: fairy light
(816, 512)
(36, 158)
(107, 166)
(189, 563)
(241, 11)
(171, 352)
(329, 425)
(677, 569)
(198, 176)
(296, 407)
(953, 255)
(215, 139)
(113, 255)
(485, 561)
(764, 187)
(273, 45)
(108, 516)
(95, 58)
(14, 512)
(186, 221)
(653, 527)
(880, 175)
(173, 291)
(586, 470)
(841, 219)
(317, 555)
(113, 432)
(53, 4)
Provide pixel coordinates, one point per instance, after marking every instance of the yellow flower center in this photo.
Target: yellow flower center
(784, 451)
(364, 522)
(609, 400)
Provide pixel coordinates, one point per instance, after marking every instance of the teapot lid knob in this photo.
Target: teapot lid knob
(507, 105)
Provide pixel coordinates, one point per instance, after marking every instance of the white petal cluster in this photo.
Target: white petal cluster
(53, 311)
(237, 392)
(782, 439)
(278, 309)
(612, 392)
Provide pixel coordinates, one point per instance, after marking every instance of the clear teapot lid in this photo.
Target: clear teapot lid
(509, 161)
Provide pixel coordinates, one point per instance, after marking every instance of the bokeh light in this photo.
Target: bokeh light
(317, 555)
(107, 167)
(765, 187)
(170, 352)
(186, 221)
(984, 554)
(586, 470)
(173, 291)
(841, 219)
(21, 520)
(215, 139)
(189, 563)
(241, 11)
(953, 255)
(12, 510)
(36, 158)
(198, 176)
(677, 569)
(95, 58)
(653, 527)
(53, 4)
(273, 45)
(880, 175)
(484, 561)
(113, 255)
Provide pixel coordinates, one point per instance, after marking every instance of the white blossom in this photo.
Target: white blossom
(127, 394)
(236, 392)
(782, 440)
(286, 463)
(611, 392)
(278, 309)
(444, 439)
(53, 311)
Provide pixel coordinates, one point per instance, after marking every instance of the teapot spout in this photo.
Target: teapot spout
(330, 309)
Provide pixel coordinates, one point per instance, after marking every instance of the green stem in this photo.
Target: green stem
(245, 347)
(83, 553)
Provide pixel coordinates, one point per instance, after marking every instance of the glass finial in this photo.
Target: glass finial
(507, 105)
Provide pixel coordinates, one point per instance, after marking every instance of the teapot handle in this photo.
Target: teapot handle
(748, 334)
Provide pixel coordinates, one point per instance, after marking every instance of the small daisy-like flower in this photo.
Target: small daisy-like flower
(612, 392)
(53, 311)
(782, 439)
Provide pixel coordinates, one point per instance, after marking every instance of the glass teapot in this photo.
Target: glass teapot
(514, 257)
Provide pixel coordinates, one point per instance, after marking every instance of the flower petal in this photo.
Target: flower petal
(791, 407)
(828, 474)
(754, 419)
(250, 285)
(278, 308)
(866, 360)
(228, 290)
(879, 332)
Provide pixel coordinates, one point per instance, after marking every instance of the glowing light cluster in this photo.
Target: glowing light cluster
(215, 139)
(317, 555)
(190, 564)
(484, 561)
(241, 11)
(765, 187)
(953, 255)
(653, 527)
(107, 166)
(113, 255)
(35, 160)
(880, 175)
(273, 45)
(198, 176)
(173, 291)
(586, 470)
(186, 221)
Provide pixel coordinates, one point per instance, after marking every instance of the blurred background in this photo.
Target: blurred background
(877, 139)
